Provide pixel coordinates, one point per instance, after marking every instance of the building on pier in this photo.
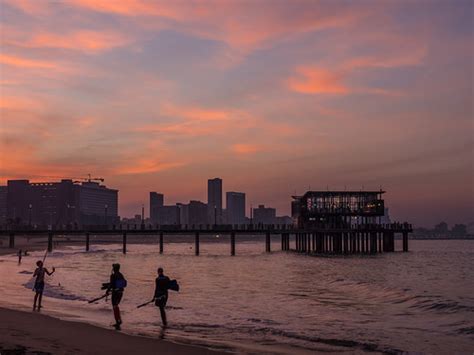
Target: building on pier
(317, 209)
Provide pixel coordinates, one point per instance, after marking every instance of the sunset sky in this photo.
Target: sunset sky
(274, 97)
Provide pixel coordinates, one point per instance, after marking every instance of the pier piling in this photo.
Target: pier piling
(232, 243)
(196, 243)
(161, 242)
(50, 242)
(87, 242)
(267, 242)
(124, 243)
(405, 241)
(11, 241)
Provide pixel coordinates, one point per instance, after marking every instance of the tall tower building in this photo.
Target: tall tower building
(156, 201)
(235, 207)
(214, 200)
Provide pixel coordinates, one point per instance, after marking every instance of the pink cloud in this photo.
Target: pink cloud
(314, 80)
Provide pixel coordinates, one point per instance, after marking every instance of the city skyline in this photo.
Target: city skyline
(159, 96)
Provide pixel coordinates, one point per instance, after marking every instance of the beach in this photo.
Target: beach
(33, 333)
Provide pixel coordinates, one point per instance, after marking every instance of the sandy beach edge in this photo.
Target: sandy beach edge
(32, 333)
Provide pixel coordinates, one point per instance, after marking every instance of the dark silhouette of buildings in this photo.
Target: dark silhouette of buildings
(3, 204)
(60, 203)
(168, 215)
(197, 212)
(235, 207)
(214, 200)
(264, 215)
(156, 201)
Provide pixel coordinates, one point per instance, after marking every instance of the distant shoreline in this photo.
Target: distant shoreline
(470, 237)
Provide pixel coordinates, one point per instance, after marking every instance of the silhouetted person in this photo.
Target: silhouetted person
(161, 294)
(20, 253)
(39, 282)
(116, 286)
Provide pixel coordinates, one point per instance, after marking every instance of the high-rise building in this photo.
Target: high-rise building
(264, 215)
(197, 212)
(64, 202)
(235, 208)
(156, 201)
(168, 215)
(214, 200)
(3, 204)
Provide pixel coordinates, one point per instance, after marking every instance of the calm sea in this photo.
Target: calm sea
(421, 301)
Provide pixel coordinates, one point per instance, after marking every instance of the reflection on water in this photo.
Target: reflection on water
(417, 301)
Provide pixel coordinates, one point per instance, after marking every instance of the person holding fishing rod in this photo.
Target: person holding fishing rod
(116, 287)
(39, 282)
(160, 297)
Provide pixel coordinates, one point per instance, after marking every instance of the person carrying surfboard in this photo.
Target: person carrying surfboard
(161, 293)
(39, 283)
(116, 287)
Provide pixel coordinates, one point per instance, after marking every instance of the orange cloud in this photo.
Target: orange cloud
(19, 103)
(83, 40)
(145, 166)
(410, 57)
(25, 63)
(245, 149)
(195, 113)
(314, 80)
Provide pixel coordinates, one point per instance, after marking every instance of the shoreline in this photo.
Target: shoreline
(23, 332)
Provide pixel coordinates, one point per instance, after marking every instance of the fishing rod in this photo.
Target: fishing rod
(45, 255)
(98, 298)
(146, 303)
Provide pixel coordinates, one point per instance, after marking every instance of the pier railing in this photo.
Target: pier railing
(330, 239)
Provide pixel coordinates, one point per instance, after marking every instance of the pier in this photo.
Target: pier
(354, 239)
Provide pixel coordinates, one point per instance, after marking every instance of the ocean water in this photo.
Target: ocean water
(255, 302)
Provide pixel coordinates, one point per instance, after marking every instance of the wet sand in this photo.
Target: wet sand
(34, 333)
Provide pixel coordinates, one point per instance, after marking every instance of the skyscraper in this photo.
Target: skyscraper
(156, 201)
(235, 207)
(214, 200)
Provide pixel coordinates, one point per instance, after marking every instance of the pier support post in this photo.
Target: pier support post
(11, 241)
(87, 241)
(232, 243)
(50, 242)
(124, 243)
(346, 243)
(161, 242)
(405, 241)
(373, 242)
(267, 242)
(380, 241)
(196, 243)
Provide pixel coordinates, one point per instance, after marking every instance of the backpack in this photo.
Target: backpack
(120, 283)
